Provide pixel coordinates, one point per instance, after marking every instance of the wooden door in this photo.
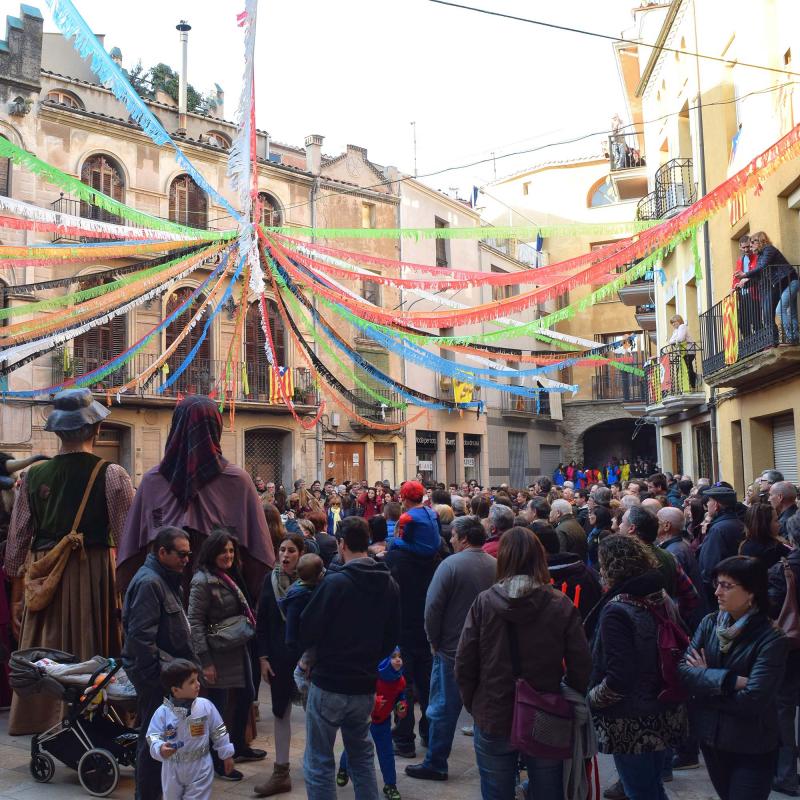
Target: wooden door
(255, 356)
(347, 459)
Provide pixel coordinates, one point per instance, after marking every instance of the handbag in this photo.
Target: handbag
(43, 577)
(230, 632)
(543, 722)
(789, 618)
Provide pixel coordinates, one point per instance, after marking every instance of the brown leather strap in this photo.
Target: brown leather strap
(86, 493)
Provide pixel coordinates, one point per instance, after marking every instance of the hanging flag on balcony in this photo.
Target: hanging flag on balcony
(666, 374)
(462, 392)
(245, 381)
(274, 388)
(730, 329)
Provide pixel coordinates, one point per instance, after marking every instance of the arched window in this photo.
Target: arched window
(271, 214)
(602, 194)
(254, 354)
(199, 376)
(218, 140)
(5, 175)
(188, 204)
(65, 98)
(99, 344)
(104, 175)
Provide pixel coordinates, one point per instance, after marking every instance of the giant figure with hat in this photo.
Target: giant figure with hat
(67, 520)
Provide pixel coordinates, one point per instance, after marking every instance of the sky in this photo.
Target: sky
(361, 71)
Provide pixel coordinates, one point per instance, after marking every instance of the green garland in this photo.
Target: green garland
(86, 193)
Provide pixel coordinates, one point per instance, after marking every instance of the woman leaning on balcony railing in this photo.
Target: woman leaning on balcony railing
(682, 341)
(780, 283)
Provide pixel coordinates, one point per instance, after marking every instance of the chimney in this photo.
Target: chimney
(183, 27)
(314, 153)
(220, 101)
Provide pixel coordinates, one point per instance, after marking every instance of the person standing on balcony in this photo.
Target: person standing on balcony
(780, 285)
(682, 341)
(619, 149)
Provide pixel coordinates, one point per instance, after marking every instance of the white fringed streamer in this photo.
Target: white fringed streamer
(71, 24)
(45, 215)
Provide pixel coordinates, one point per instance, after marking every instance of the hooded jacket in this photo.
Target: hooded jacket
(549, 635)
(389, 689)
(353, 620)
(568, 572)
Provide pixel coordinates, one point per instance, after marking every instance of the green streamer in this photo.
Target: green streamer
(88, 294)
(698, 267)
(86, 193)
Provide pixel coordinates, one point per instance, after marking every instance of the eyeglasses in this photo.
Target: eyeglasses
(726, 586)
(183, 554)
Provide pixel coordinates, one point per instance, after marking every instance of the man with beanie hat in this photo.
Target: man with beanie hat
(69, 514)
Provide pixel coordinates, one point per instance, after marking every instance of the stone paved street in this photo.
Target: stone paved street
(17, 784)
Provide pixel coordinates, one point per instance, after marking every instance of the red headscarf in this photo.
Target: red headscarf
(193, 456)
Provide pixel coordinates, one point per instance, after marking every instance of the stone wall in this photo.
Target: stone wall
(582, 415)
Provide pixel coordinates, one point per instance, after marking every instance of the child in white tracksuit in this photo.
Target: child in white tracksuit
(179, 733)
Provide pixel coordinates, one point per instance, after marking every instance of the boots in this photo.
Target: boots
(279, 782)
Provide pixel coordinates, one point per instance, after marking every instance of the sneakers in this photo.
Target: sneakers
(249, 754)
(233, 775)
(615, 792)
(467, 730)
(425, 773)
(404, 752)
(342, 778)
(390, 792)
(684, 761)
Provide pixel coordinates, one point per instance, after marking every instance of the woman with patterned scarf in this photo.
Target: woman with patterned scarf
(278, 660)
(733, 669)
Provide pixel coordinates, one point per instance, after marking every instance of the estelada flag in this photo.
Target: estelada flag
(666, 374)
(274, 389)
(730, 329)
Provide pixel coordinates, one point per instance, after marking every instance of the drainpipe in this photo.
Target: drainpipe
(183, 27)
(317, 428)
(706, 247)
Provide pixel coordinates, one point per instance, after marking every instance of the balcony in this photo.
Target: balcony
(66, 205)
(673, 380)
(743, 340)
(674, 191)
(252, 379)
(646, 318)
(521, 251)
(628, 169)
(639, 292)
(444, 389)
(609, 383)
(512, 405)
(375, 411)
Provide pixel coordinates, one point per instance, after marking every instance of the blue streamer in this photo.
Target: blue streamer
(71, 24)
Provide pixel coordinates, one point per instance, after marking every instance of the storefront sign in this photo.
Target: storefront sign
(425, 466)
(469, 462)
(427, 439)
(450, 440)
(472, 442)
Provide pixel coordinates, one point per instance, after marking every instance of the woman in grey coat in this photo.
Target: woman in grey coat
(218, 594)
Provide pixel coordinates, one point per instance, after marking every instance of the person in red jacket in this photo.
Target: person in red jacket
(389, 696)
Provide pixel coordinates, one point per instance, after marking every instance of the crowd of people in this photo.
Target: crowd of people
(633, 613)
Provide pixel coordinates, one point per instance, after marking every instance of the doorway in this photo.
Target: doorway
(345, 461)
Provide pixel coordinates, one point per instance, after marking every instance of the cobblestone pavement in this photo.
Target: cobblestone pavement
(17, 784)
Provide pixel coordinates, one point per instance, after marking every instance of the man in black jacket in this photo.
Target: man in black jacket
(723, 537)
(353, 621)
(156, 629)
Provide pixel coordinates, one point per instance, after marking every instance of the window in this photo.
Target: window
(368, 219)
(197, 377)
(104, 175)
(255, 355)
(101, 343)
(65, 98)
(602, 194)
(503, 292)
(271, 214)
(220, 140)
(442, 248)
(5, 176)
(187, 203)
(371, 291)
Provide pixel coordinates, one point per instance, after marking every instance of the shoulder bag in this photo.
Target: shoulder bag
(232, 631)
(543, 723)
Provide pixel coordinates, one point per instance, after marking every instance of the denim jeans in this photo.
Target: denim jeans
(740, 776)
(326, 714)
(444, 707)
(787, 701)
(640, 774)
(417, 672)
(787, 310)
(497, 766)
(381, 733)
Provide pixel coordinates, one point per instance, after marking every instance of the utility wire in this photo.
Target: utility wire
(537, 149)
(568, 29)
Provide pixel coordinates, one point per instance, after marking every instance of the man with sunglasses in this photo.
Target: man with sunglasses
(156, 631)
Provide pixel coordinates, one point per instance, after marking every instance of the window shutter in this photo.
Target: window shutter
(784, 446)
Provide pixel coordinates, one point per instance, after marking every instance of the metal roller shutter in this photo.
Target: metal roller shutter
(784, 446)
(549, 458)
(518, 459)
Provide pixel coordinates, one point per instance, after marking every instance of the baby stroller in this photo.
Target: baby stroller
(91, 738)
